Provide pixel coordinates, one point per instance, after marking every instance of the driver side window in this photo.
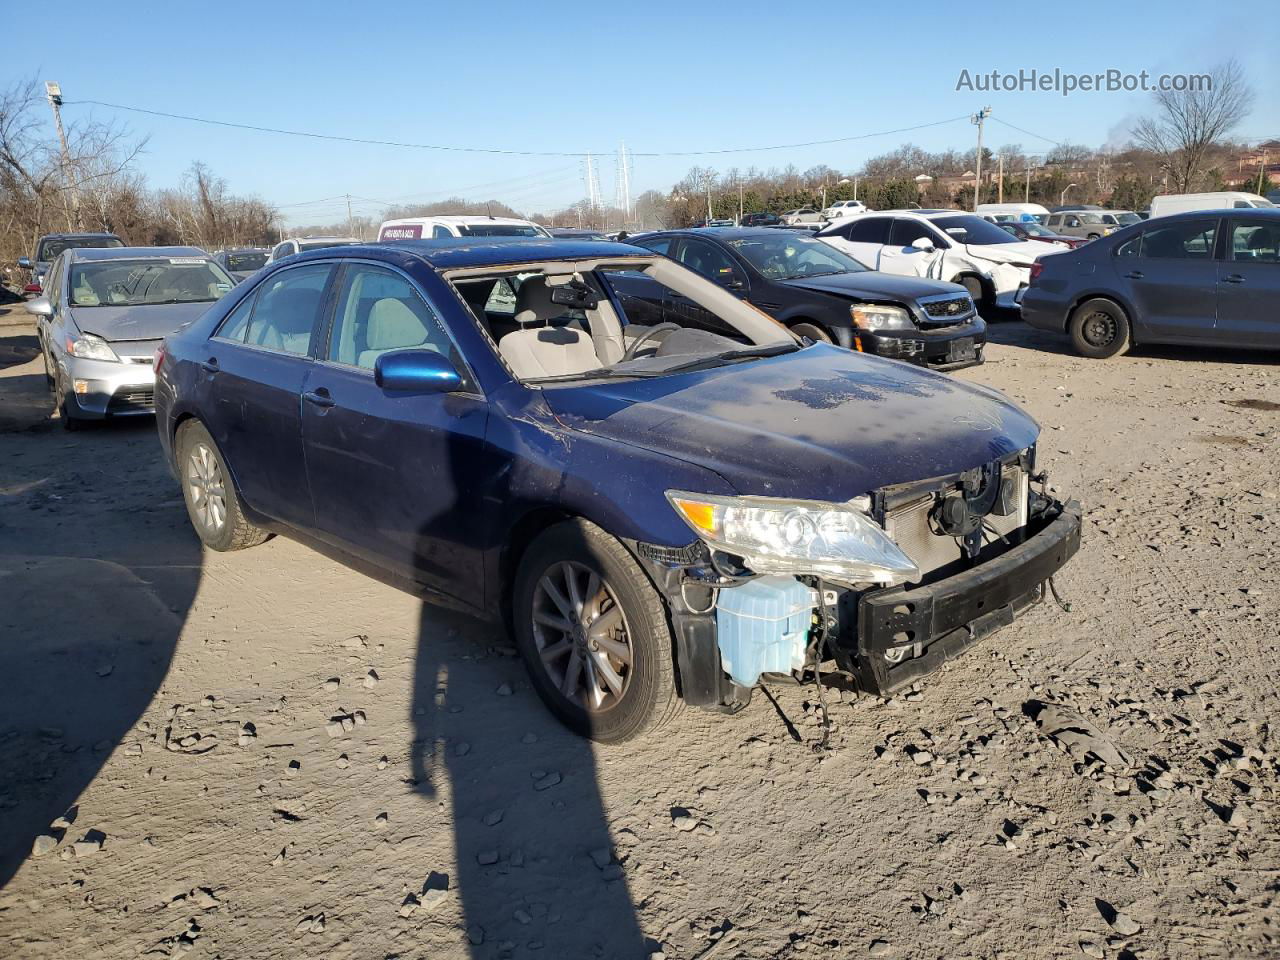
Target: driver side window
(906, 232)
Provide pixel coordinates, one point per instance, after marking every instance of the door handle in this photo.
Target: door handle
(319, 397)
(1134, 275)
(1233, 278)
(210, 365)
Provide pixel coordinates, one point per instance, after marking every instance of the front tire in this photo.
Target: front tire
(811, 330)
(594, 634)
(1099, 329)
(977, 291)
(210, 494)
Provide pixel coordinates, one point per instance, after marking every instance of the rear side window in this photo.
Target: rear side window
(286, 309)
(1185, 240)
(438, 232)
(869, 230)
(237, 322)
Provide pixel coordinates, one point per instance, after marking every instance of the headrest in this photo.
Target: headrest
(533, 301)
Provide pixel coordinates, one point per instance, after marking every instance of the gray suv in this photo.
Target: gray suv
(1089, 224)
(51, 244)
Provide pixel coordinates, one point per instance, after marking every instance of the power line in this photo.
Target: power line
(496, 150)
(1006, 123)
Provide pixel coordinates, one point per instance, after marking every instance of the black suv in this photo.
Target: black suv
(760, 220)
(819, 292)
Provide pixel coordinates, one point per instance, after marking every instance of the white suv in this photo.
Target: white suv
(844, 208)
(287, 248)
(941, 244)
(444, 228)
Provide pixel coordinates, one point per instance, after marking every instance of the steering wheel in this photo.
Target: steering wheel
(638, 342)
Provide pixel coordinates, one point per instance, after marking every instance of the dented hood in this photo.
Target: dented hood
(822, 423)
(148, 321)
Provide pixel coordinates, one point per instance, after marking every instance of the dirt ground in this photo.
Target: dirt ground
(172, 726)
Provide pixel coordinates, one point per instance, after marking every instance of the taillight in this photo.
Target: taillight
(33, 288)
(157, 359)
(1037, 267)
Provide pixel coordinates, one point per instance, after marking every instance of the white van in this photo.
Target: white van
(437, 228)
(1013, 212)
(1168, 203)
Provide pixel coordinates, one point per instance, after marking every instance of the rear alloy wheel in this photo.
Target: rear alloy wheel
(1099, 329)
(812, 331)
(594, 634)
(210, 494)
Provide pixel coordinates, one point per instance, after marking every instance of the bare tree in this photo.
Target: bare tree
(1187, 123)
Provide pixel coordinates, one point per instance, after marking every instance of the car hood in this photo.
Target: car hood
(873, 285)
(142, 322)
(821, 423)
(1021, 253)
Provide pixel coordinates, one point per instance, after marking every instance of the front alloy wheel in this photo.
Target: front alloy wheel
(581, 636)
(594, 633)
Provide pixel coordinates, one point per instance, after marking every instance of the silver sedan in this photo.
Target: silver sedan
(104, 313)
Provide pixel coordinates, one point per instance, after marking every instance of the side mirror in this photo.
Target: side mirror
(40, 307)
(24, 263)
(924, 243)
(419, 371)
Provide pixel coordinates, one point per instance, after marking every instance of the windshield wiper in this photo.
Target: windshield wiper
(743, 353)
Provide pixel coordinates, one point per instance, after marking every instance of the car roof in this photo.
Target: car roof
(728, 233)
(135, 253)
(457, 253)
(1269, 213)
(464, 219)
(309, 239)
(67, 236)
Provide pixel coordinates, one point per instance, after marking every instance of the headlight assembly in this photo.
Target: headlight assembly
(88, 347)
(871, 316)
(796, 536)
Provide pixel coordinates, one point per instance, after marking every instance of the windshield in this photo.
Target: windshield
(788, 256)
(966, 228)
(50, 249)
(122, 283)
(1124, 219)
(499, 230)
(1035, 230)
(247, 262)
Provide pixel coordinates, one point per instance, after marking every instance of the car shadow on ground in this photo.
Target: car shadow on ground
(1031, 338)
(537, 866)
(98, 569)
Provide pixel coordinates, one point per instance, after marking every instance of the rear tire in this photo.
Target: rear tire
(210, 493)
(1099, 329)
(588, 621)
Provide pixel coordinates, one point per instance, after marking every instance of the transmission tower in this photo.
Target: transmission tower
(593, 184)
(622, 180)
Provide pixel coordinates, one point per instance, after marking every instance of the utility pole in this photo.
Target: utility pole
(54, 93)
(1026, 196)
(978, 119)
(351, 230)
(1000, 181)
(708, 181)
(855, 186)
(1262, 169)
(740, 198)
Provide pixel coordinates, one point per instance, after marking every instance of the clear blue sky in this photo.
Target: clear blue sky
(662, 76)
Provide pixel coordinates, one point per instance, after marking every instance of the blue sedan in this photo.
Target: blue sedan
(660, 514)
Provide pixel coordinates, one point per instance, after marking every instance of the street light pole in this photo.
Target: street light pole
(351, 230)
(978, 119)
(54, 93)
(1062, 197)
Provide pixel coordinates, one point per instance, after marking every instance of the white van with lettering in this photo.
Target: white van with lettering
(445, 228)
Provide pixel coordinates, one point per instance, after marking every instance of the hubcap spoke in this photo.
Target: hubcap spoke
(605, 624)
(554, 651)
(572, 674)
(558, 598)
(602, 668)
(619, 651)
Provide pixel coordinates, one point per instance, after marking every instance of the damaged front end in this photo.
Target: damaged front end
(981, 547)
